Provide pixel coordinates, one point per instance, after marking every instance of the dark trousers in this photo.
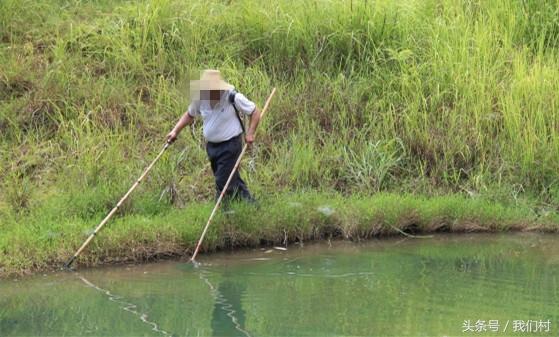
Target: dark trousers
(223, 157)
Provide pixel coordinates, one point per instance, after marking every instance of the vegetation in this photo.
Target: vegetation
(452, 105)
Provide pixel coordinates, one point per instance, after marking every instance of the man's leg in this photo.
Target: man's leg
(239, 187)
(223, 158)
(213, 152)
(242, 191)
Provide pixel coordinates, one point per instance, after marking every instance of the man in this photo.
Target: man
(217, 103)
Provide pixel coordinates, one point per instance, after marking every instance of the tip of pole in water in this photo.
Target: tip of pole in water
(195, 263)
(68, 264)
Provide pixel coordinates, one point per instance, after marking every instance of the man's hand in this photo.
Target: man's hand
(185, 120)
(249, 138)
(171, 137)
(254, 119)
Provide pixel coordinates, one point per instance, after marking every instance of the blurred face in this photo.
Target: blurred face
(210, 95)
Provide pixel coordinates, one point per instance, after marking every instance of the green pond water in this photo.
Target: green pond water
(497, 284)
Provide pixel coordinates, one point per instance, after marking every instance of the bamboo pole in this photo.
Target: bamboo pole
(113, 211)
(218, 203)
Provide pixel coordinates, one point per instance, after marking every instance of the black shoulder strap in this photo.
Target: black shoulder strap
(232, 95)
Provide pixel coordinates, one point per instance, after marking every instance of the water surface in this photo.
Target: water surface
(388, 287)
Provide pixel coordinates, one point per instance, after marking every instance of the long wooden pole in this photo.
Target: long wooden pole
(113, 211)
(218, 203)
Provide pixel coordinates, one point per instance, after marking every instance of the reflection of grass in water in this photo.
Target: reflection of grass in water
(222, 303)
(427, 97)
(400, 289)
(60, 304)
(420, 285)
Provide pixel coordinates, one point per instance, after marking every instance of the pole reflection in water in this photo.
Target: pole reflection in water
(127, 306)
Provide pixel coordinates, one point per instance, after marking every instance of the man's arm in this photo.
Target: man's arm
(185, 120)
(254, 120)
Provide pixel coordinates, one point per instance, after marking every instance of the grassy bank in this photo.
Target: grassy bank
(432, 99)
(279, 220)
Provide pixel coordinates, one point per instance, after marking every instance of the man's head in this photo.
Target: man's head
(210, 86)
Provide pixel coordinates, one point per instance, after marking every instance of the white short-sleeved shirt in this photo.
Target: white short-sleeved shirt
(220, 122)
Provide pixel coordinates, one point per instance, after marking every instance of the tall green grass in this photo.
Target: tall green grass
(428, 97)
